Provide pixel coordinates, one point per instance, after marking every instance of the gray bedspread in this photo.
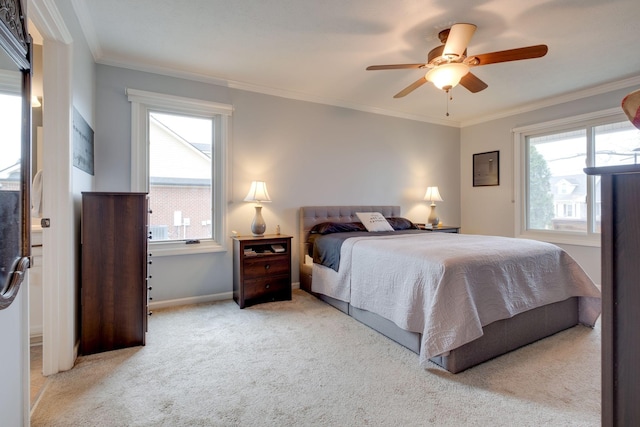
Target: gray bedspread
(448, 286)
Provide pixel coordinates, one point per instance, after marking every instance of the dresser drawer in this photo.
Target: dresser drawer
(263, 287)
(265, 266)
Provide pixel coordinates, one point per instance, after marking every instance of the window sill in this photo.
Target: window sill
(563, 238)
(160, 249)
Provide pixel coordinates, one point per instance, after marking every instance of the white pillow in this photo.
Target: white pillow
(374, 221)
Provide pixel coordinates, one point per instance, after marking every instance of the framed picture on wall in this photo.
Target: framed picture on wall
(486, 169)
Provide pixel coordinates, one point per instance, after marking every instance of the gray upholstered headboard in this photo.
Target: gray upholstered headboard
(312, 215)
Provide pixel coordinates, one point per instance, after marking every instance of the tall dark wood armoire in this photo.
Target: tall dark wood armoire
(620, 186)
(114, 271)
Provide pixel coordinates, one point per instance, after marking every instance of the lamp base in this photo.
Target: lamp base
(258, 225)
(433, 217)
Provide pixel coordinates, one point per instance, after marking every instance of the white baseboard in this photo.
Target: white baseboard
(35, 331)
(191, 300)
(35, 339)
(199, 299)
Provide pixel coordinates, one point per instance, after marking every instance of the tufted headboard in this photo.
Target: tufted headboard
(312, 215)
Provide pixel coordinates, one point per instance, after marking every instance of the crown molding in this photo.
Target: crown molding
(46, 16)
(163, 71)
(86, 23)
(556, 100)
(300, 96)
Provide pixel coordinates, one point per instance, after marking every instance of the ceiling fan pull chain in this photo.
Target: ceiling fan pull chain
(448, 98)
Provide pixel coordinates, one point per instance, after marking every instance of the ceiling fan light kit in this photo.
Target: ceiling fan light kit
(447, 76)
(449, 64)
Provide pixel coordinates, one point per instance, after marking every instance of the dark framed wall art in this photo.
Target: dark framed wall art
(486, 169)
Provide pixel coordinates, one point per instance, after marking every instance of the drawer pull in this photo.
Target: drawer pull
(267, 286)
(268, 266)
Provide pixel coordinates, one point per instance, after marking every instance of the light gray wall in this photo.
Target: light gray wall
(309, 154)
(491, 210)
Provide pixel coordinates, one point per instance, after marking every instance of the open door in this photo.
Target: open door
(15, 178)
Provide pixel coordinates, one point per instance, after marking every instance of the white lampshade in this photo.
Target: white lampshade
(433, 195)
(447, 76)
(258, 192)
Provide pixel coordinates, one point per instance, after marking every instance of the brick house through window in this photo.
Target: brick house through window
(179, 179)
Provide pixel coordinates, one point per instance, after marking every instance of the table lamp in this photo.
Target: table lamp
(433, 195)
(258, 194)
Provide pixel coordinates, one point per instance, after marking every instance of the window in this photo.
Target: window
(179, 156)
(557, 201)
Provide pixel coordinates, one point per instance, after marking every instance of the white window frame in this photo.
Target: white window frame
(520, 135)
(142, 102)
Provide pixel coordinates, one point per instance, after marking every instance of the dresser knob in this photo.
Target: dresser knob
(267, 286)
(266, 267)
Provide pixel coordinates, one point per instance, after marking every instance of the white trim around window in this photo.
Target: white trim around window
(141, 103)
(520, 179)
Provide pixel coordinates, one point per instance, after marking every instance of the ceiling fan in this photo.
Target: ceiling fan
(448, 64)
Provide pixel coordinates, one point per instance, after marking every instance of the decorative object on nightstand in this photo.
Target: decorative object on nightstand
(433, 195)
(258, 193)
(261, 269)
(438, 228)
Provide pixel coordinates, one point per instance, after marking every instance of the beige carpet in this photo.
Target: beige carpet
(304, 363)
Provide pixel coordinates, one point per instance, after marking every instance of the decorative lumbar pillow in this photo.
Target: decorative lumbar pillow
(631, 107)
(374, 221)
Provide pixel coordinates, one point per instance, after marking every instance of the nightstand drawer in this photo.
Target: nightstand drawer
(265, 266)
(265, 286)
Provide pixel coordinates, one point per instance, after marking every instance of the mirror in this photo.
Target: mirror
(15, 141)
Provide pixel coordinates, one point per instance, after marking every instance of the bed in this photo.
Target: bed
(438, 294)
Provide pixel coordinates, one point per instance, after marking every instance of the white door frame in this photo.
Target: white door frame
(59, 264)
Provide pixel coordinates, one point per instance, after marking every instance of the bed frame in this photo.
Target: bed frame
(499, 337)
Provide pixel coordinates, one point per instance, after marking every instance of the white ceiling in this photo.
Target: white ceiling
(318, 50)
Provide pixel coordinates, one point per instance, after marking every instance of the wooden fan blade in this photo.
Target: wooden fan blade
(529, 52)
(473, 83)
(458, 39)
(395, 66)
(413, 86)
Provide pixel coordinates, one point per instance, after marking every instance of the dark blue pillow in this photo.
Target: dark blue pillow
(398, 223)
(336, 227)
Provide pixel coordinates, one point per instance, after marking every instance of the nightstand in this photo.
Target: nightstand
(440, 229)
(261, 269)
